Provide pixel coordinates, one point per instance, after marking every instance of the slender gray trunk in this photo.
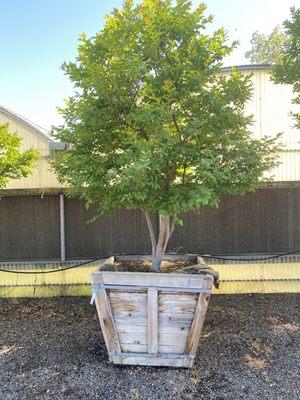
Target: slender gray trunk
(159, 245)
(156, 261)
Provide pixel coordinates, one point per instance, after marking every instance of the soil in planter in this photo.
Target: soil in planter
(145, 266)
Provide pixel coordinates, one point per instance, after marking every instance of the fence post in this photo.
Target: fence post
(62, 228)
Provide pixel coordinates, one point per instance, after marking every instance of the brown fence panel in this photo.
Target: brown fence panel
(262, 222)
(29, 227)
(123, 232)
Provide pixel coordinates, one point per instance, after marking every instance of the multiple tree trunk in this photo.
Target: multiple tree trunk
(159, 244)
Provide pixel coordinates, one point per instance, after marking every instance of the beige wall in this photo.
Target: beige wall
(42, 176)
(271, 106)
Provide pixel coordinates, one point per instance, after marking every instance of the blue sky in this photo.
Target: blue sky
(36, 36)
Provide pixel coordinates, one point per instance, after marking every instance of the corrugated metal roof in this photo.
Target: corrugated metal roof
(40, 131)
(248, 67)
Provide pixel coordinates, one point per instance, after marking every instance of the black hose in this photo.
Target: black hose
(103, 257)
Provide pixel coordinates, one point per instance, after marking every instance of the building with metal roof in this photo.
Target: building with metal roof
(42, 178)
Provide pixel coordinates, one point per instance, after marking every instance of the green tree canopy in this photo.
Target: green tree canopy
(14, 163)
(267, 49)
(287, 69)
(154, 124)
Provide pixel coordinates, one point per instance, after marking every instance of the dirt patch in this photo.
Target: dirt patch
(254, 362)
(273, 319)
(259, 347)
(53, 349)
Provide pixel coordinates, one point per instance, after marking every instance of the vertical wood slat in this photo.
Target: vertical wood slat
(196, 328)
(152, 321)
(107, 323)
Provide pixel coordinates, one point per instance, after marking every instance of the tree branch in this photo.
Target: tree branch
(172, 228)
(175, 122)
(125, 124)
(151, 231)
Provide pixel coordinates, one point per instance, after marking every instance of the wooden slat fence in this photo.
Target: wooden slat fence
(267, 221)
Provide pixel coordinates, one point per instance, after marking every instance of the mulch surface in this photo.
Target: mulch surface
(53, 349)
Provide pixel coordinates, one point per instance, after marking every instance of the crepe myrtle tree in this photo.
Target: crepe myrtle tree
(14, 163)
(154, 124)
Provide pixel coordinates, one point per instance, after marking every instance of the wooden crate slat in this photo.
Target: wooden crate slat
(137, 303)
(169, 330)
(189, 299)
(143, 359)
(134, 338)
(164, 319)
(128, 318)
(167, 319)
(180, 296)
(164, 339)
(152, 321)
(196, 328)
(118, 295)
(145, 279)
(131, 328)
(131, 288)
(174, 329)
(177, 308)
(134, 348)
(175, 348)
(107, 323)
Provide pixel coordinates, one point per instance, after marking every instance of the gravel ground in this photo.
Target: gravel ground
(53, 349)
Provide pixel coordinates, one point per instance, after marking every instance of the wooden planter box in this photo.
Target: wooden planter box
(151, 318)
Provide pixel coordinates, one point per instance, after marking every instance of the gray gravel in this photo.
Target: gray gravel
(53, 349)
